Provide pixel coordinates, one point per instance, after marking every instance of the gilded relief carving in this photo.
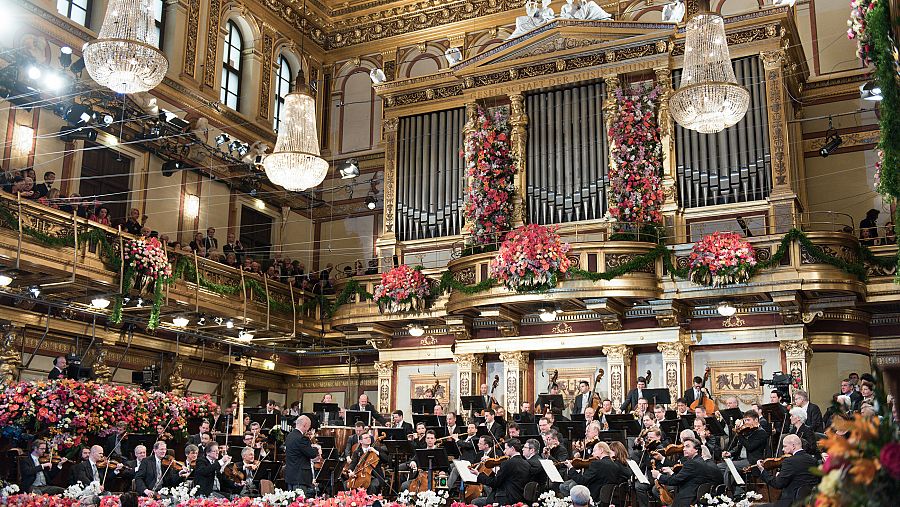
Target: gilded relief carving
(266, 84)
(193, 32)
(212, 44)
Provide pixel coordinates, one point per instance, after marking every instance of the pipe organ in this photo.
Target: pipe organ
(733, 165)
(430, 175)
(567, 154)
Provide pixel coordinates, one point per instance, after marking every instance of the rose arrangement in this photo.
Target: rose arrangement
(721, 258)
(491, 169)
(31, 500)
(357, 498)
(70, 410)
(531, 258)
(402, 289)
(857, 28)
(634, 175)
(147, 257)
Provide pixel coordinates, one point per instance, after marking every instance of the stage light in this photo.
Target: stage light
(377, 76)
(54, 81)
(245, 336)
(259, 204)
(370, 202)
(34, 73)
(79, 114)
(416, 330)
(202, 320)
(100, 303)
(229, 324)
(180, 321)
(104, 120)
(831, 143)
(34, 290)
(726, 309)
(243, 149)
(222, 139)
(65, 56)
(269, 364)
(547, 315)
(349, 169)
(453, 55)
(71, 133)
(77, 67)
(170, 166)
(5, 280)
(140, 303)
(870, 91)
(234, 146)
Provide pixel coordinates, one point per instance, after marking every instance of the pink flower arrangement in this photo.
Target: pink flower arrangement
(357, 498)
(491, 170)
(402, 289)
(32, 500)
(634, 175)
(857, 28)
(531, 258)
(721, 258)
(148, 258)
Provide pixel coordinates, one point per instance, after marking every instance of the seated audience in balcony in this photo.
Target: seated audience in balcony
(301, 269)
(348, 271)
(247, 264)
(135, 222)
(101, 216)
(231, 261)
(21, 185)
(210, 242)
(255, 268)
(44, 188)
(272, 273)
(164, 239)
(87, 207)
(197, 242)
(51, 199)
(373, 267)
(234, 245)
(868, 228)
(890, 236)
(360, 269)
(146, 232)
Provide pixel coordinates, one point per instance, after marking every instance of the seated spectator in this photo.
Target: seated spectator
(51, 199)
(146, 232)
(890, 235)
(348, 271)
(255, 268)
(86, 208)
(135, 222)
(18, 187)
(272, 274)
(28, 189)
(360, 269)
(176, 246)
(70, 203)
(868, 228)
(301, 270)
(164, 239)
(197, 242)
(43, 190)
(248, 264)
(373, 267)
(231, 260)
(101, 217)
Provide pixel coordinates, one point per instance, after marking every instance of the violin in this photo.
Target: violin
(107, 463)
(664, 495)
(486, 467)
(170, 462)
(234, 473)
(52, 459)
(745, 430)
(769, 463)
(578, 463)
(673, 449)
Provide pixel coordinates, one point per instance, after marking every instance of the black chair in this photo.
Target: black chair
(531, 492)
(606, 495)
(704, 488)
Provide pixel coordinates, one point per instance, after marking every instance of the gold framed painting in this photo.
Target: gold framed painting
(569, 378)
(740, 379)
(439, 383)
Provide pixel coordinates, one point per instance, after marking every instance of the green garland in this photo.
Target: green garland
(328, 307)
(878, 27)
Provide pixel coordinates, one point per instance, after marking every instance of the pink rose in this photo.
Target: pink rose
(890, 459)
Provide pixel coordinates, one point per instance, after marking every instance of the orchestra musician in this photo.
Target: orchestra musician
(198, 438)
(795, 474)
(711, 443)
(602, 470)
(508, 484)
(359, 428)
(468, 444)
(693, 394)
(412, 466)
(750, 437)
(363, 404)
(248, 466)
(553, 448)
(329, 418)
(494, 428)
(418, 437)
(693, 473)
(584, 399)
(531, 453)
(113, 444)
(525, 415)
(88, 470)
(591, 437)
(798, 427)
(191, 453)
(128, 471)
(512, 431)
(365, 446)
(452, 427)
(813, 412)
(36, 471)
(153, 475)
(209, 472)
(299, 455)
(398, 422)
(631, 400)
(589, 415)
(681, 408)
(486, 398)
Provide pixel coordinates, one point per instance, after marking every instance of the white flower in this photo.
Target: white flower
(78, 491)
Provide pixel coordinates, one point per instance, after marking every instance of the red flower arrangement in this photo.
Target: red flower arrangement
(491, 170)
(721, 258)
(634, 175)
(402, 289)
(32, 500)
(147, 258)
(857, 28)
(530, 259)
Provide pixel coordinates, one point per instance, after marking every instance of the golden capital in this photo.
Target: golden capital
(672, 350)
(384, 368)
(617, 353)
(796, 349)
(390, 124)
(517, 360)
(773, 59)
(469, 361)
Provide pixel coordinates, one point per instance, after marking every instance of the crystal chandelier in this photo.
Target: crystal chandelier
(124, 58)
(709, 98)
(295, 163)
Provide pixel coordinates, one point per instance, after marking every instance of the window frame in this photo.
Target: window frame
(70, 4)
(160, 23)
(228, 70)
(280, 79)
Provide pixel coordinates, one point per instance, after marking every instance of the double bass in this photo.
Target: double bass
(494, 384)
(595, 399)
(704, 400)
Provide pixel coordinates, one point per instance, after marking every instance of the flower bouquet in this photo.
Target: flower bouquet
(857, 28)
(402, 289)
(721, 258)
(709, 500)
(147, 257)
(427, 498)
(530, 259)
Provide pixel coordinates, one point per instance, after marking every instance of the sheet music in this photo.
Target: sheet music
(462, 467)
(636, 470)
(734, 473)
(551, 470)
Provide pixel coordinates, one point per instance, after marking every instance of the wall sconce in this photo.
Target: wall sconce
(191, 206)
(23, 140)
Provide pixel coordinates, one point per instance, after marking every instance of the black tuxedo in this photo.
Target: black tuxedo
(524, 417)
(298, 451)
(146, 478)
(508, 485)
(468, 448)
(579, 403)
(538, 474)
(407, 428)
(600, 473)
(205, 474)
(689, 396)
(794, 475)
(369, 408)
(210, 243)
(496, 430)
(237, 250)
(194, 439)
(41, 190)
(56, 373)
(755, 443)
(128, 470)
(631, 400)
(814, 418)
(28, 472)
(109, 445)
(84, 473)
(810, 442)
(688, 480)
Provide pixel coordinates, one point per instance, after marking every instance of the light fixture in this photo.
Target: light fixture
(708, 99)
(79, 114)
(832, 140)
(22, 141)
(245, 336)
(234, 146)
(453, 56)
(140, 303)
(180, 321)
(416, 330)
(100, 303)
(170, 166)
(202, 320)
(77, 66)
(295, 163)
(371, 203)
(65, 56)
(34, 73)
(673, 12)
(725, 309)
(34, 290)
(789, 3)
(377, 76)
(5, 280)
(71, 133)
(349, 169)
(104, 120)
(125, 57)
(222, 139)
(870, 91)
(243, 149)
(268, 364)
(259, 204)
(191, 206)
(229, 324)
(547, 315)
(53, 81)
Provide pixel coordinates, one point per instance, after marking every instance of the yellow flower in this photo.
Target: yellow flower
(837, 446)
(829, 483)
(864, 470)
(860, 428)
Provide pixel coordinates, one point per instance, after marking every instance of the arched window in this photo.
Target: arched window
(158, 12)
(76, 10)
(283, 85)
(231, 68)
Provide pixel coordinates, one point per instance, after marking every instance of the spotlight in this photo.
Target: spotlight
(202, 320)
(79, 114)
(370, 202)
(547, 315)
(173, 120)
(349, 169)
(71, 133)
(170, 166)
(77, 67)
(222, 139)
(100, 303)
(5, 280)
(377, 76)
(726, 309)
(234, 146)
(831, 143)
(140, 303)
(218, 321)
(104, 120)
(243, 149)
(54, 81)
(453, 55)
(180, 321)
(870, 91)
(65, 56)
(416, 330)
(245, 336)
(34, 73)
(34, 290)
(229, 324)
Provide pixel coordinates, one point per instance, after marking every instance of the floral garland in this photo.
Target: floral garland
(491, 169)
(857, 28)
(402, 289)
(634, 175)
(70, 410)
(721, 258)
(530, 259)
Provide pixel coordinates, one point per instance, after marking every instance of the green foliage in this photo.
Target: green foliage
(878, 27)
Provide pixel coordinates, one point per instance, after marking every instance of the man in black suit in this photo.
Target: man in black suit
(452, 426)
(752, 438)
(531, 452)
(36, 476)
(468, 445)
(209, 473)
(508, 485)
(485, 396)
(363, 404)
(299, 455)
(398, 422)
(525, 416)
(692, 394)
(494, 428)
(329, 418)
(114, 444)
(198, 438)
(694, 472)
(584, 399)
(813, 412)
(153, 475)
(42, 189)
(799, 428)
(130, 467)
(634, 395)
(795, 472)
(603, 470)
(87, 471)
(59, 368)
(855, 397)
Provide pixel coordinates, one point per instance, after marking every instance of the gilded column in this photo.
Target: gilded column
(610, 110)
(515, 364)
(385, 371)
(778, 101)
(470, 126)
(102, 372)
(389, 64)
(387, 243)
(238, 390)
(518, 140)
(177, 385)
(796, 355)
(673, 354)
(10, 358)
(618, 358)
(468, 368)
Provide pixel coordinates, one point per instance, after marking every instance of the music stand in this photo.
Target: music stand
(479, 420)
(329, 467)
(429, 420)
(555, 401)
(571, 430)
(625, 422)
(266, 470)
(352, 416)
(733, 414)
(266, 421)
(423, 405)
(136, 439)
(715, 427)
(773, 412)
(577, 418)
(657, 396)
(613, 436)
(393, 434)
(472, 403)
(439, 431)
(434, 458)
(235, 453)
(397, 449)
(671, 415)
(452, 448)
(687, 421)
(528, 429)
(670, 429)
(331, 408)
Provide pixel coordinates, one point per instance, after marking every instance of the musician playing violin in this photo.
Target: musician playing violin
(128, 471)
(248, 466)
(795, 472)
(152, 474)
(750, 437)
(601, 471)
(91, 470)
(366, 447)
(300, 454)
(37, 470)
(508, 484)
(695, 472)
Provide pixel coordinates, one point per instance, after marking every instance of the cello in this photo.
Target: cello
(362, 474)
(704, 400)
